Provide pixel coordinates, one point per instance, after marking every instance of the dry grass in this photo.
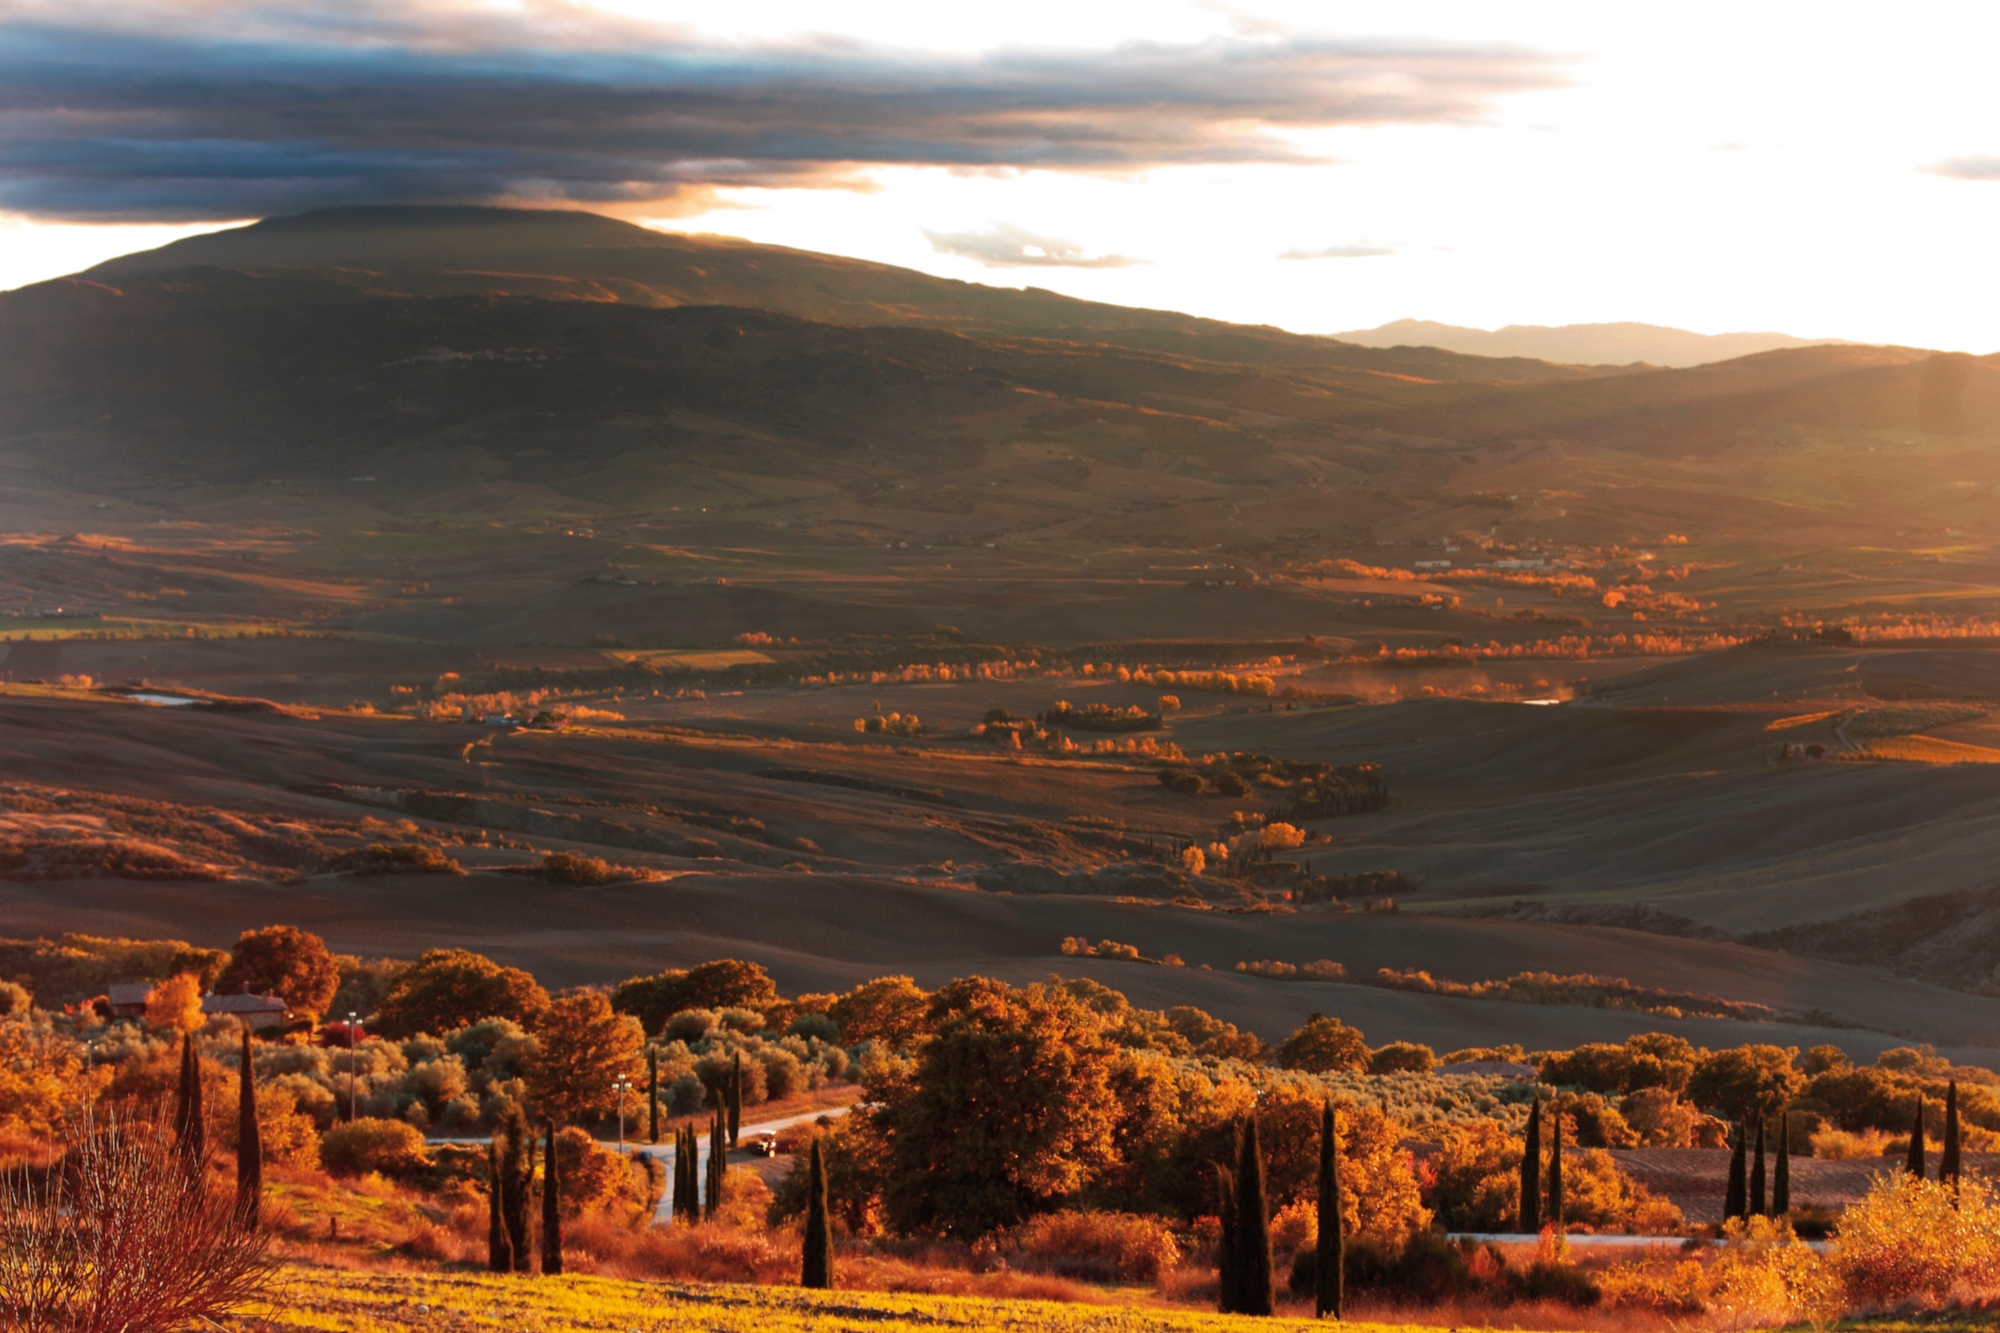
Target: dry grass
(1931, 750)
(316, 1297)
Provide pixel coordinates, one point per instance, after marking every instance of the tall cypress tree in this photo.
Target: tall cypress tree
(1531, 1174)
(1915, 1164)
(653, 1094)
(1757, 1203)
(1781, 1177)
(517, 1170)
(1228, 1285)
(1253, 1228)
(735, 1097)
(816, 1268)
(687, 1191)
(552, 1237)
(190, 1117)
(718, 1163)
(1330, 1254)
(1949, 1167)
(249, 1142)
(1556, 1170)
(499, 1253)
(1735, 1201)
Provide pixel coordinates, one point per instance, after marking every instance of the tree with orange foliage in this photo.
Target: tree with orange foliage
(1010, 1109)
(891, 1010)
(175, 1004)
(582, 1050)
(284, 961)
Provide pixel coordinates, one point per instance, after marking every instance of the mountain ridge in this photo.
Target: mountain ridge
(1622, 343)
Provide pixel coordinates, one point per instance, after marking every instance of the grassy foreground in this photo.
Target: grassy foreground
(364, 1301)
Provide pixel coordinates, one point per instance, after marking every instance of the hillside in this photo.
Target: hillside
(569, 256)
(1580, 344)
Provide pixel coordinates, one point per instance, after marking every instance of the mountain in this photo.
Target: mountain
(562, 255)
(1581, 344)
(535, 360)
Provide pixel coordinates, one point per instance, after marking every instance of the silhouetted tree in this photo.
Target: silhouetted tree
(1531, 1174)
(1757, 1202)
(1949, 1167)
(1228, 1282)
(499, 1251)
(1915, 1164)
(249, 1144)
(816, 1269)
(1735, 1200)
(1556, 1170)
(1253, 1228)
(718, 1162)
(1330, 1254)
(552, 1237)
(735, 1097)
(652, 1094)
(516, 1184)
(1781, 1177)
(190, 1120)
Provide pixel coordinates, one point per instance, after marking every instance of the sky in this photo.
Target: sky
(1827, 170)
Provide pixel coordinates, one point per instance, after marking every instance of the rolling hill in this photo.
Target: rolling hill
(1580, 344)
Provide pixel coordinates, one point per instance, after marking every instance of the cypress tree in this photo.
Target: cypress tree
(653, 1094)
(499, 1254)
(1330, 1254)
(1556, 1170)
(1757, 1204)
(1229, 1295)
(517, 1171)
(1948, 1160)
(687, 1200)
(1531, 1175)
(552, 1237)
(718, 1163)
(1253, 1228)
(249, 1144)
(1735, 1202)
(190, 1119)
(1781, 1177)
(735, 1097)
(817, 1267)
(1915, 1165)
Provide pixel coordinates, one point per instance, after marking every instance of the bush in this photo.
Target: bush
(1911, 1239)
(14, 1000)
(586, 871)
(1402, 1057)
(390, 1147)
(396, 858)
(1096, 1247)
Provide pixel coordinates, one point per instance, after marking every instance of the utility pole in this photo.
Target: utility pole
(621, 1085)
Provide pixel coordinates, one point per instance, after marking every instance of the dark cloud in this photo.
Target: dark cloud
(1004, 245)
(1339, 252)
(1967, 168)
(144, 115)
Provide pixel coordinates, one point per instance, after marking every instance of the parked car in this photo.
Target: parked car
(764, 1145)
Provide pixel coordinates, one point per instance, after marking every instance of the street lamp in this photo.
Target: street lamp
(622, 1084)
(351, 1016)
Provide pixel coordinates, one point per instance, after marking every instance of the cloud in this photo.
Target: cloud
(1340, 252)
(1967, 168)
(111, 112)
(1004, 245)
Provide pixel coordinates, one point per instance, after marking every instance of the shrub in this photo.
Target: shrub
(586, 871)
(1096, 1247)
(14, 1000)
(396, 858)
(1402, 1057)
(1323, 1044)
(1911, 1239)
(390, 1147)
